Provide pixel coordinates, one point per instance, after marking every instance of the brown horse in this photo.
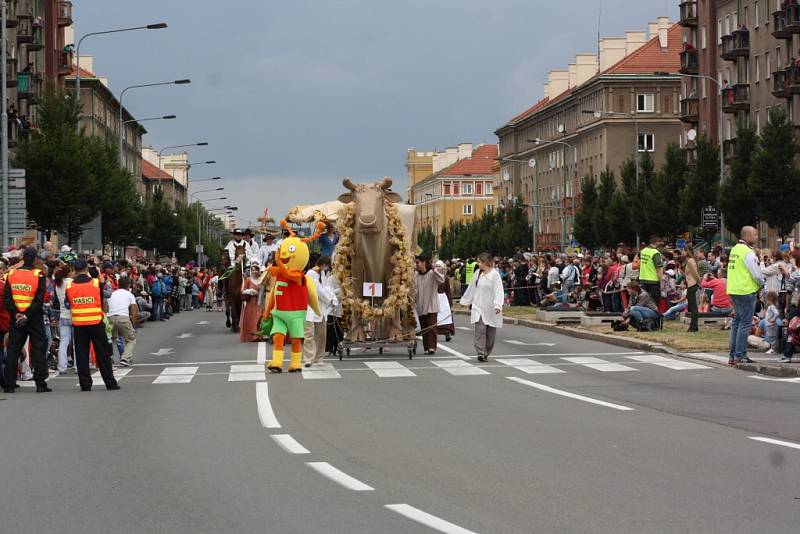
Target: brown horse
(233, 290)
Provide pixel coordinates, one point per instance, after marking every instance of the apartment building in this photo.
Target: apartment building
(459, 188)
(594, 115)
(172, 176)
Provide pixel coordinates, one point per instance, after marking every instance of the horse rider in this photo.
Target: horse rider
(239, 241)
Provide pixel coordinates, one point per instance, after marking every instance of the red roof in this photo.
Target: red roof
(647, 59)
(480, 164)
(154, 173)
(650, 57)
(84, 73)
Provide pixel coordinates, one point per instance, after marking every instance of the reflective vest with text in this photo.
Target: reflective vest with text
(23, 284)
(85, 302)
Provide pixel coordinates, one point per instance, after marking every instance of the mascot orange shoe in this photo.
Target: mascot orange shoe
(288, 302)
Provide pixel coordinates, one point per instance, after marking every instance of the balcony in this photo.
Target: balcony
(37, 42)
(793, 80)
(792, 18)
(29, 86)
(690, 62)
(690, 109)
(11, 72)
(688, 14)
(65, 62)
(779, 30)
(25, 29)
(736, 98)
(735, 45)
(728, 146)
(65, 13)
(780, 84)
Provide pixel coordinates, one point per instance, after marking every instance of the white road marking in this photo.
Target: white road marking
(119, 374)
(327, 470)
(599, 365)
(176, 375)
(220, 362)
(324, 371)
(459, 368)
(203, 322)
(669, 363)
(560, 354)
(772, 379)
(531, 367)
(389, 369)
(183, 336)
(265, 413)
(465, 328)
(515, 342)
(162, 352)
(713, 357)
(568, 394)
(247, 377)
(776, 442)
(436, 523)
(250, 368)
(261, 355)
(289, 444)
(454, 352)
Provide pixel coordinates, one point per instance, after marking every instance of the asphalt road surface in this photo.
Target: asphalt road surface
(553, 434)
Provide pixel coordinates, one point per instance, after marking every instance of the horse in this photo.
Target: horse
(233, 290)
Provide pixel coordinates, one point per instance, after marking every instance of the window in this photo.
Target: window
(479, 189)
(758, 69)
(746, 18)
(455, 188)
(645, 103)
(719, 31)
(446, 189)
(489, 188)
(647, 142)
(466, 209)
(758, 122)
(778, 61)
(466, 189)
(767, 66)
(727, 25)
(703, 37)
(755, 12)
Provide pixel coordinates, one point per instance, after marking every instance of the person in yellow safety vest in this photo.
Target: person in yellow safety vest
(84, 298)
(24, 300)
(469, 272)
(745, 279)
(651, 268)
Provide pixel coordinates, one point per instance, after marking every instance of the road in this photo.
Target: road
(553, 434)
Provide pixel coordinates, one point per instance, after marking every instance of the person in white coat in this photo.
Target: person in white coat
(316, 327)
(485, 296)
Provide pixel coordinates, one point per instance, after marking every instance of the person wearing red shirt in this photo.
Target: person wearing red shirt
(720, 301)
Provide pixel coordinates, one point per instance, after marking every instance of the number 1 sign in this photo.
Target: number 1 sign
(373, 289)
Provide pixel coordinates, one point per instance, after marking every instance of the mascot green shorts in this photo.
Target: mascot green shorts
(292, 323)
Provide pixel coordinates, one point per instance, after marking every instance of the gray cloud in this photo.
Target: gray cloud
(294, 95)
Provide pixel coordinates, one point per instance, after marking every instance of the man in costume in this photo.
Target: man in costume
(291, 295)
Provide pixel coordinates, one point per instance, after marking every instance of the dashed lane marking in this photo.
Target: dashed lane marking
(563, 393)
(289, 444)
(776, 442)
(424, 518)
(340, 477)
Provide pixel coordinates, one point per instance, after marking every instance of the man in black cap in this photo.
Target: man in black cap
(238, 241)
(86, 303)
(24, 300)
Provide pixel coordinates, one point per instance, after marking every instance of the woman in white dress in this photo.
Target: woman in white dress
(444, 319)
(485, 296)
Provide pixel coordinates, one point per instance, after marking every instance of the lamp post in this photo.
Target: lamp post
(200, 221)
(206, 179)
(195, 163)
(566, 145)
(532, 164)
(157, 26)
(122, 96)
(4, 119)
(721, 145)
(161, 152)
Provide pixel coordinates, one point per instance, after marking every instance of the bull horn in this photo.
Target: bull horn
(386, 183)
(348, 184)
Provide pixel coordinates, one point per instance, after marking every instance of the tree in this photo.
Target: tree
(427, 240)
(619, 220)
(119, 204)
(702, 182)
(583, 225)
(605, 191)
(734, 198)
(65, 170)
(774, 180)
(161, 228)
(660, 195)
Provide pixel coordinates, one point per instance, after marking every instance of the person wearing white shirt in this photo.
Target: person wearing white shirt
(316, 327)
(485, 296)
(122, 311)
(269, 247)
(238, 241)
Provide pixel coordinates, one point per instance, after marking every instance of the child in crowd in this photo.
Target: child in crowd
(772, 321)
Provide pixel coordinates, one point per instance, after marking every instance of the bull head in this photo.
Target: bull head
(369, 200)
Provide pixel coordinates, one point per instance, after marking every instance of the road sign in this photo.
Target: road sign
(680, 243)
(709, 218)
(574, 243)
(373, 289)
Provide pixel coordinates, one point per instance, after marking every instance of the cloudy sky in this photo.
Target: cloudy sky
(294, 94)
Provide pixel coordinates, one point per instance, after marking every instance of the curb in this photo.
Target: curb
(776, 370)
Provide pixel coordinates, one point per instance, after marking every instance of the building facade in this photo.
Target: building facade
(594, 115)
(173, 176)
(459, 188)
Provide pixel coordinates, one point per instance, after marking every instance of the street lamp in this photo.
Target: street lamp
(162, 118)
(721, 146)
(191, 197)
(157, 26)
(192, 164)
(122, 96)
(532, 164)
(205, 179)
(566, 145)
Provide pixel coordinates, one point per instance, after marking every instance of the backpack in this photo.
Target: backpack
(157, 289)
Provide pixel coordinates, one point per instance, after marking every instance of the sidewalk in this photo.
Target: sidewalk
(672, 340)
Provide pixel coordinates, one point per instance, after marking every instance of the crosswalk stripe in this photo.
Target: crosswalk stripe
(599, 365)
(531, 367)
(247, 373)
(119, 374)
(669, 363)
(459, 367)
(389, 369)
(176, 375)
(321, 372)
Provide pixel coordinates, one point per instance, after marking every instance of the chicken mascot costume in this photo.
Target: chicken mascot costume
(291, 294)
